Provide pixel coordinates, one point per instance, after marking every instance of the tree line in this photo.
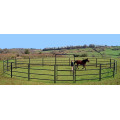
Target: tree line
(73, 47)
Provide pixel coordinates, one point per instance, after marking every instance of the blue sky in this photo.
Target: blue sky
(40, 41)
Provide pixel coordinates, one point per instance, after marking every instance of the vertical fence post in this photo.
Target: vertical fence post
(28, 72)
(29, 60)
(74, 74)
(3, 67)
(110, 63)
(55, 59)
(55, 73)
(96, 62)
(114, 69)
(7, 64)
(100, 72)
(15, 62)
(74, 58)
(11, 69)
(69, 61)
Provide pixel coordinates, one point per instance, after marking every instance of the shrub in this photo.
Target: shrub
(76, 55)
(84, 55)
(92, 46)
(27, 51)
(40, 52)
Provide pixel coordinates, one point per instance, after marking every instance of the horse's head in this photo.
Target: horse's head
(87, 60)
(75, 62)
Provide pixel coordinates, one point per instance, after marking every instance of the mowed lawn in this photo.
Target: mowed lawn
(48, 73)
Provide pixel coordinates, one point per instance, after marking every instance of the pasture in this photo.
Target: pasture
(44, 71)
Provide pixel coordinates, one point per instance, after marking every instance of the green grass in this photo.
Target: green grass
(6, 80)
(110, 52)
(88, 51)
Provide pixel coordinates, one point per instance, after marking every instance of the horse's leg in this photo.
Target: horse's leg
(77, 66)
(84, 67)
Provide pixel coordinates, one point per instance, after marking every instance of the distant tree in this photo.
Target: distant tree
(85, 46)
(18, 55)
(40, 52)
(27, 51)
(76, 55)
(5, 50)
(84, 55)
(92, 46)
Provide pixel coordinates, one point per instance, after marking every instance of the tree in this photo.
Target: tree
(85, 46)
(27, 51)
(92, 46)
(5, 51)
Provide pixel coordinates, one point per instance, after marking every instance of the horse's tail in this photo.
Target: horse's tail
(74, 62)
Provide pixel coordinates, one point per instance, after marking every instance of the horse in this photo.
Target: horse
(81, 62)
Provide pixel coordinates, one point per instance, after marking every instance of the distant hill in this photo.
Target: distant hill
(84, 51)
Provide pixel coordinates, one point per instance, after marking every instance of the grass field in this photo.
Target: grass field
(108, 52)
(62, 75)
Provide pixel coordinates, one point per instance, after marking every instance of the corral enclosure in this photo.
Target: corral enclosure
(59, 68)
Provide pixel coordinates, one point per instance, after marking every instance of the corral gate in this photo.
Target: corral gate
(66, 59)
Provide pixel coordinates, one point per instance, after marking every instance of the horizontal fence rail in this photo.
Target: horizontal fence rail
(59, 69)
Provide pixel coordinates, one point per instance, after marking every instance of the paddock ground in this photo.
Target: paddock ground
(5, 79)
